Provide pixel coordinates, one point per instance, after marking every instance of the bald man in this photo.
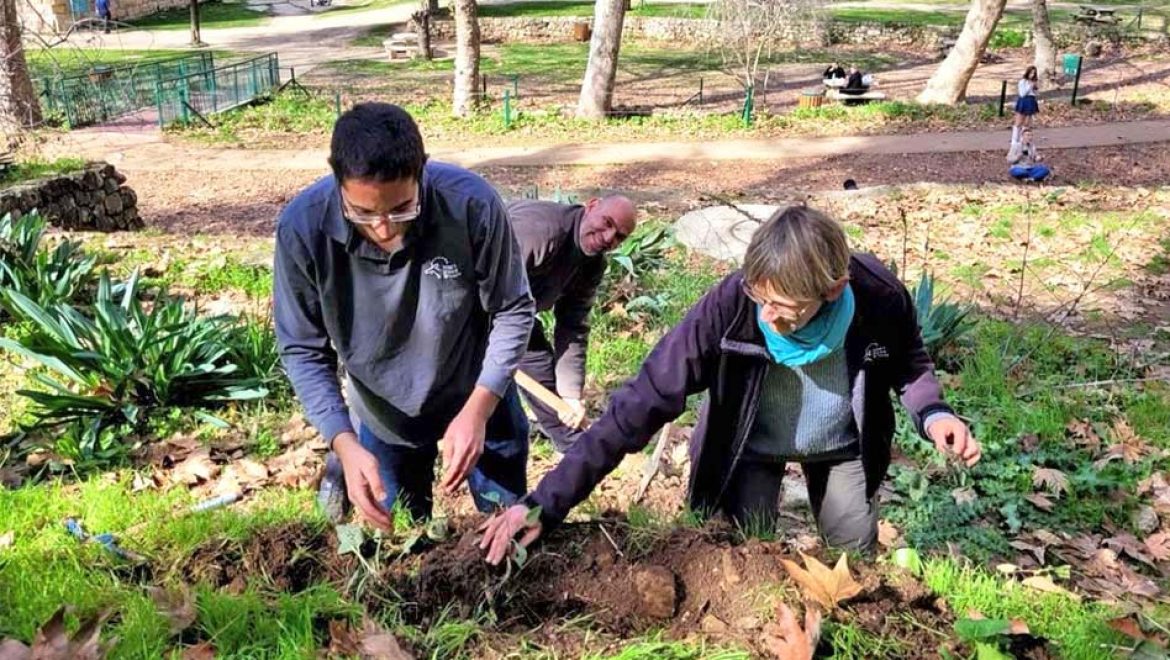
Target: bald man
(564, 248)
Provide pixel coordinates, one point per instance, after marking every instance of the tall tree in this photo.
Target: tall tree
(466, 57)
(597, 89)
(949, 83)
(1042, 40)
(196, 37)
(18, 100)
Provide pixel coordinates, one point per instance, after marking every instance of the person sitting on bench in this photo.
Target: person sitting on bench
(856, 82)
(1025, 162)
(834, 72)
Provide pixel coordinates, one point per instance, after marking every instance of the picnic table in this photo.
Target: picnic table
(1092, 14)
(7, 160)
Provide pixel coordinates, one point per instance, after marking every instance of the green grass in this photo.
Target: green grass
(359, 6)
(36, 169)
(576, 8)
(952, 16)
(226, 273)
(72, 61)
(1077, 629)
(211, 15)
(658, 648)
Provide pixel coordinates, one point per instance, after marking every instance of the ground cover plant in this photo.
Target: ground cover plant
(1054, 546)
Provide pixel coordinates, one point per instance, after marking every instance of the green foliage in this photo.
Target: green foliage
(1007, 39)
(644, 250)
(28, 170)
(541, 8)
(211, 15)
(944, 323)
(225, 272)
(105, 371)
(42, 276)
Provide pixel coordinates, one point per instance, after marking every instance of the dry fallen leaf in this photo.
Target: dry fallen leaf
(1051, 479)
(1084, 434)
(786, 640)
(964, 496)
(53, 642)
(201, 651)
(888, 535)
(7, 538)
(1130, 545)
(1044, 583)
(196, 468)
(824, 586)
(1040, 501)
(176, 606)
(1158, 545)
(12, 649)
(379, 644)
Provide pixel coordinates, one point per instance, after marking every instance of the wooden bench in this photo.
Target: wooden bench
(7, 160)
(864, 97)
(401, 43)
(1104, 15)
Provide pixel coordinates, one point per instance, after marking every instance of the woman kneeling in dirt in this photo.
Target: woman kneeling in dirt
(797, 354)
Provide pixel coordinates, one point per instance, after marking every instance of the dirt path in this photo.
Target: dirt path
(143, 151)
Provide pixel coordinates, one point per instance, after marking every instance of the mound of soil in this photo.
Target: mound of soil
(685, 580)
(290, 558)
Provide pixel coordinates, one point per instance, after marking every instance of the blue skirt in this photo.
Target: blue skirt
(1027, 105)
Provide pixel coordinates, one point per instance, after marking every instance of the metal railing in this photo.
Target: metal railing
(195, 96)
(105, 92)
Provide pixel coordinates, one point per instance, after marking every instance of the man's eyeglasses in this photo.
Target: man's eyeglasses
(375, 218)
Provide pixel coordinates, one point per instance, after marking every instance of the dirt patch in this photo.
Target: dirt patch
(289, 558)
(685, 581)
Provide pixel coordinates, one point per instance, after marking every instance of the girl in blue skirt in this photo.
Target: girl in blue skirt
(1026, 104)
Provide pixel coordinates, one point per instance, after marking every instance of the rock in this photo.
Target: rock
(90, 180)
(657, 592)
(1146, 520)
(129, 197)
(713, 625)
(721, 232)
(747, 623)
(109, 185)
(113, 204)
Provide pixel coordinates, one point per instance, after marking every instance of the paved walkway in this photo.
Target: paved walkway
(146, 150)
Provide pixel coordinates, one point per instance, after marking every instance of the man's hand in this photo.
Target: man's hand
(502, 527)
(950, 435)
(575, 416)
(463, 440)
(363, 484)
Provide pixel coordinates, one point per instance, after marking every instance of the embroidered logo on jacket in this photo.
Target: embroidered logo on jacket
(442, 269)
(875, 352)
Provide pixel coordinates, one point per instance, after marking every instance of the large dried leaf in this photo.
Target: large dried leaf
(1040, 501)
(824, 586)
(786, 640)
(176, 606)
(14, 649)
(1045, 583)
(1054, 481)
(53, 642)
(1129, 544)
(888, 535)
(1158, 545)
(379, 644)
(201, 651)
(196, 468)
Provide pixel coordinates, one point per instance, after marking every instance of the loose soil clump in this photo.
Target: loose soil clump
(289, 558)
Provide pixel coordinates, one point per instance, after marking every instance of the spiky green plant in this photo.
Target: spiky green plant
(943, 322)
(44, 276)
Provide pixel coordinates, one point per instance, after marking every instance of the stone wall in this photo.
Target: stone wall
(690, 32)
(53, 16)
(884, 35)
(94, 198)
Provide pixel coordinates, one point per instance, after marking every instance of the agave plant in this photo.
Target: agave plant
(46, 277)
(107, 369)
(642, 251)
(943, 322)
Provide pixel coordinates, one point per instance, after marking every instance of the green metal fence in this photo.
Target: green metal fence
(195, 96)
(105, 92)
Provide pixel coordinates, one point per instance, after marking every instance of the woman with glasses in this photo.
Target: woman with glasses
(797, 354)
(407, 272)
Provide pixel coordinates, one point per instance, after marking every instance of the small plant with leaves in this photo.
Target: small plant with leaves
(43, 276)
(643, 251)
(944, 323)
(106, 371)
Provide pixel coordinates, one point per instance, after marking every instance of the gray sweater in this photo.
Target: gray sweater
(563, 279)
(416, 330)
(805, 412)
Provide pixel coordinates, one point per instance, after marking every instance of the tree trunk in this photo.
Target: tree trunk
(196, 38)
(948, 85)
(1042, 39)
(18, 100)
(597, 89)
(433, 7)
(422, 31)
(466, 57)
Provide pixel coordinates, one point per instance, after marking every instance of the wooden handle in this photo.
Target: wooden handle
(542, 393)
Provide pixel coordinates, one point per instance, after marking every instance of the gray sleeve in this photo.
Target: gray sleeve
(305, 348)
(504, 294)
(571, 334)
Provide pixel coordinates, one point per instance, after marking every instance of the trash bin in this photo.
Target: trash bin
(581, 31)
(812, 98)
(1071, 61)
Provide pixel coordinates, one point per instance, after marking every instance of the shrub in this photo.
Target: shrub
(944, 323)
(45, 277)
(105, 371)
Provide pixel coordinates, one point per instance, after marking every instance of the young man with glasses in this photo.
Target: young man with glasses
(564, 248)
(797, 354)
(409, 274)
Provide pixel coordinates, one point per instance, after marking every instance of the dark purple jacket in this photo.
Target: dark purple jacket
(719, 348)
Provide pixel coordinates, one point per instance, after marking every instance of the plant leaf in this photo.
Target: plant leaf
(1051, 479)
(824, 586)
(349, 539)
(1045, 583)
(786, 640)
(1158, 545)
(176, 606)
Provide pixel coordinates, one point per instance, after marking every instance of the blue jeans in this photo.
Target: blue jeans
(1030, 172)
(409, 472)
